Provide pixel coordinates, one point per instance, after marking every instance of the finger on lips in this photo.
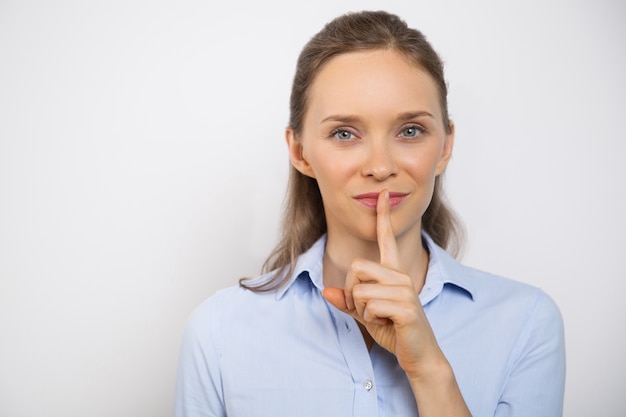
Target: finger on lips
(363, 273)
(387, 244)
(369, 273)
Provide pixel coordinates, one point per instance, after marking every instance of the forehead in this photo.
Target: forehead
(372, 82)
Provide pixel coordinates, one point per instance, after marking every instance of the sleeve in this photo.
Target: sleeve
(536, 384)
(199, 383)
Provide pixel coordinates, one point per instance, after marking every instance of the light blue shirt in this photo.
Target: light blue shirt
(290, 353)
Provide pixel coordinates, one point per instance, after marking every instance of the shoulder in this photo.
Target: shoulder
(227, 304)
(489, 290)
(526, 314)
(512, 307)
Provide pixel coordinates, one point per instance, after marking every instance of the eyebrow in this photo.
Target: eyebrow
(414, 115)
(348, 118)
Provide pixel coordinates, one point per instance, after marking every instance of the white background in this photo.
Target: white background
(142, 167)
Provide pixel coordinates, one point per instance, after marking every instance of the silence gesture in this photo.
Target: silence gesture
(383, 298)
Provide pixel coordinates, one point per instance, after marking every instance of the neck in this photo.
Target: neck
(341, 251)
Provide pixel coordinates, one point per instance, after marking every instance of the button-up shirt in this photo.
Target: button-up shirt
(290, 353)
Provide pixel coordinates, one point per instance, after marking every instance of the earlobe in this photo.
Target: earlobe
(446, 153)
(296, 154)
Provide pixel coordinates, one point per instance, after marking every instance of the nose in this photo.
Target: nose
(379, 161)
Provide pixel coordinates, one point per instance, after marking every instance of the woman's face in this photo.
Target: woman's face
(373, 122)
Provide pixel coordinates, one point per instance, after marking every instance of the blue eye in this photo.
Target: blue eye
(411, 131)
(342, 135)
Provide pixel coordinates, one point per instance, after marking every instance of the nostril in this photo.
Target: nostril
(380, 167)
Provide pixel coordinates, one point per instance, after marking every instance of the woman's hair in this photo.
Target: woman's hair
(304, 220)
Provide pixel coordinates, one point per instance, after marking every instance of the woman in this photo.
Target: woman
(360, 311)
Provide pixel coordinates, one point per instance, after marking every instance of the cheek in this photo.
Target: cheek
(422, 167)
(333, 167)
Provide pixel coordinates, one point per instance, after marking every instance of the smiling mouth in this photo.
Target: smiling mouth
(369, 200)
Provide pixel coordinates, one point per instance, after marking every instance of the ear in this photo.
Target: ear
(446, 153)
(296, 154)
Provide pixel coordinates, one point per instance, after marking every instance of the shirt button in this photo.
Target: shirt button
(368, 385)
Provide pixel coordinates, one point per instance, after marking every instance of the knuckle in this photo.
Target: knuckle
(357, 264)
(358, 291)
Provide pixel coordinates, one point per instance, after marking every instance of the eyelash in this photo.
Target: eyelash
(335, 132)
(420, 131)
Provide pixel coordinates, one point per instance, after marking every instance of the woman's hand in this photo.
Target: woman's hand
(383, 298)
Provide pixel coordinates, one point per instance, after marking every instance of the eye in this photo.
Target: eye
(412, 131)
(342, 135)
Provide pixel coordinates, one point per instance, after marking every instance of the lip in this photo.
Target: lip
(370, 200)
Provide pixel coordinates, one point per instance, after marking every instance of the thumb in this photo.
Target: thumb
(336, 297)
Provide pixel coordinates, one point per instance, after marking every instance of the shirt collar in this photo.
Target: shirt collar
(442, 269)
(308, 265)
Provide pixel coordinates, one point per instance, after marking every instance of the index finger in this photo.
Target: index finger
(387, 245)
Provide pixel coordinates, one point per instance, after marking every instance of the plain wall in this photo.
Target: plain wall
(143, 166)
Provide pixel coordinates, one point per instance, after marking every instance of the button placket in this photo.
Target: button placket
(358, 362)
